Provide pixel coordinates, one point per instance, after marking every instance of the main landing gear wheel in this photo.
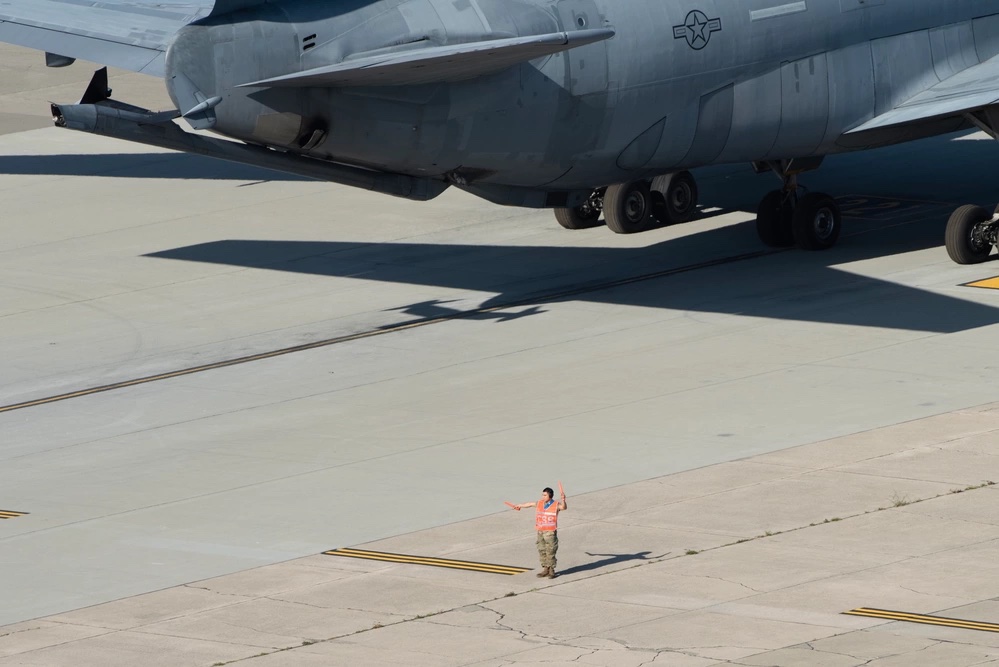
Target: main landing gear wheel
(785, 217)
(816, 222)
(675, 198)
(970, 235)
(628, 207)
(581, 217)
(773, 219)
(811, 222)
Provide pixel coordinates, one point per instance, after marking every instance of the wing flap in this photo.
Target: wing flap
(969, 90)
(434, 64)
(130, 34)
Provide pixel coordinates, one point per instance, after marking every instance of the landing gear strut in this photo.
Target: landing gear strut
(636, 206)
(971, 231)
(786, 217)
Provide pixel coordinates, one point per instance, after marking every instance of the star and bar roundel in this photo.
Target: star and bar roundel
(697, 29)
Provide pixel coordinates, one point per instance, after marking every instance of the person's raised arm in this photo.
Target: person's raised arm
(520, 506)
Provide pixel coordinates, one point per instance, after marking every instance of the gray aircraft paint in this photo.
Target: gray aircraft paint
(680, 85)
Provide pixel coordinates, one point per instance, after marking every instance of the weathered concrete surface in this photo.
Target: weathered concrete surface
(912, 528)
(117, 261)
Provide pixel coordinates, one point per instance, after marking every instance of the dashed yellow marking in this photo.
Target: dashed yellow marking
(960, 623)
(988, 283)
(426, 560)
(10, 514)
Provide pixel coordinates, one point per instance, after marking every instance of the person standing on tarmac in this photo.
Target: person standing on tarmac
(546, 523)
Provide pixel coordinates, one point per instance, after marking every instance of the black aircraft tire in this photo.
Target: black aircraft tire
(628, 207)
(674, 198)
(578, 218)
(773, 221)
(816, 222)
(959, 238)
(681, 197)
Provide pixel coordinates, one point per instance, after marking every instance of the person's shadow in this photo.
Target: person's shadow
(609, 559)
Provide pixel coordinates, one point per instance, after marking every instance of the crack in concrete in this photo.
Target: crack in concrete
(14, 632)
(659, 654)
(212, 590)
(500, 617)
(729, 581)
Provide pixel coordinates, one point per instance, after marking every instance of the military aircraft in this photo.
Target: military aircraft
(590, 107)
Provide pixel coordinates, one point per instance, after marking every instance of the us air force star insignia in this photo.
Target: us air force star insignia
(697, 29)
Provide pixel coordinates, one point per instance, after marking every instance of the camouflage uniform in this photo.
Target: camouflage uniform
(547, 546)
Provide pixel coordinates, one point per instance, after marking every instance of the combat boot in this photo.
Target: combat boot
(551, 573)
(544, 572)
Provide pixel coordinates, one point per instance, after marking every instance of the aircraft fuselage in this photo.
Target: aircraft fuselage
(682, 84)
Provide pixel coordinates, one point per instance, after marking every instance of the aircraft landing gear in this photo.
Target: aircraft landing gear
(786, 217)
(584, 216)
(628, 207)
(971, 231)
(635, 207)
(674, 198)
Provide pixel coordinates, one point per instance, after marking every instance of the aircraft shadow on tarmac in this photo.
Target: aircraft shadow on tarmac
(784, 285)
(918, 167)
(139, 165)
(609, 559)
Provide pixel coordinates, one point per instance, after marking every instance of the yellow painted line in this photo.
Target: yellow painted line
(988, 283)
(10, 514)
(423, 560)
(426, 560)
(960, 623)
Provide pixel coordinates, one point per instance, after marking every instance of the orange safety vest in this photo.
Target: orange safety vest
(546, 519)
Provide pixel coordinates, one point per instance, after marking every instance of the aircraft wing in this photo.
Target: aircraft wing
(969, 90)
(130, 34)
(431, 64)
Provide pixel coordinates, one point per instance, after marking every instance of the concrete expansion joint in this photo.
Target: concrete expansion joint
(896, 503)
(14, 632)
(913, 590)
(810, 647)
(304, 604)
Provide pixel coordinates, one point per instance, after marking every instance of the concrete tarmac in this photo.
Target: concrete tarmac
(427, 397)
(874, 549)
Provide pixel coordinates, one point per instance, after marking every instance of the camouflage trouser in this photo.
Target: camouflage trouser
(547, 546)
